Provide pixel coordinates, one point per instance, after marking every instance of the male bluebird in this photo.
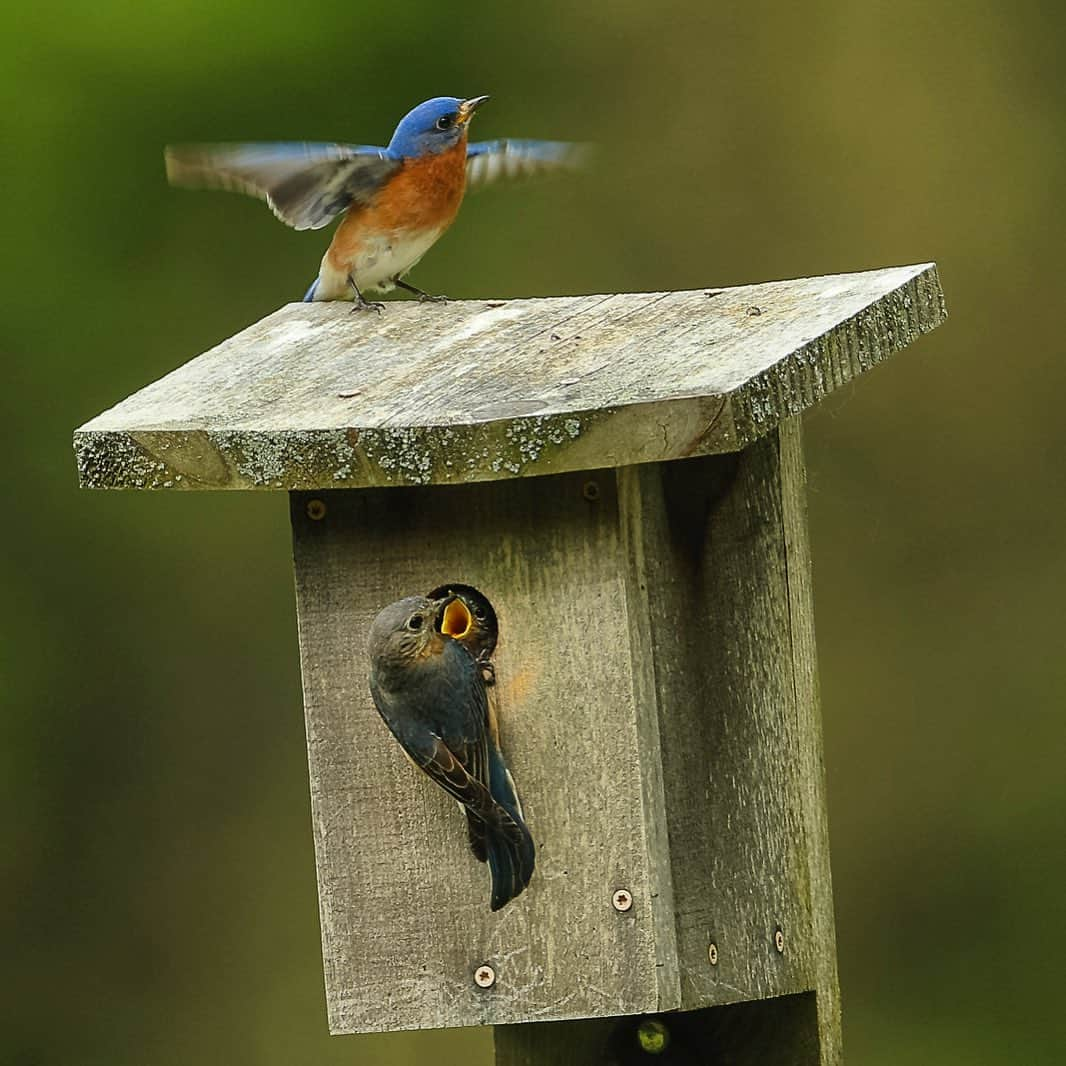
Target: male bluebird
(397, 201)
(429, 690)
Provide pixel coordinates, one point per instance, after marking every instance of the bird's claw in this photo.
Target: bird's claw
(488, 670)
(423, 296)
(368, 305)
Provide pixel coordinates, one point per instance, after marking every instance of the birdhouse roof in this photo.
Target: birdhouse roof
(315, 396)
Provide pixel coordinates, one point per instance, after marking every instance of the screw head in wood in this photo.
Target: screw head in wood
(779, 941)
(754, 311)
(712, 953)
(622, 900)
(591, 491)
(484, 976)
(316, 509)
(653, 1036)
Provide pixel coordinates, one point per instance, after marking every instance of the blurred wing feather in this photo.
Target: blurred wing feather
(306, 185)
(490, 161)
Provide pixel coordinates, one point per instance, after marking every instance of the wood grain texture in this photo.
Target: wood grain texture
(812, 771)
(722, 578)
(404, 905)
(731, 736)
(663, 732)
(316, 397)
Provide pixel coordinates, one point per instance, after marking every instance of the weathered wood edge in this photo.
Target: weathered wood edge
(632, 523)
(838, 356)
(512, 447)
(808, 707)
(377, 458)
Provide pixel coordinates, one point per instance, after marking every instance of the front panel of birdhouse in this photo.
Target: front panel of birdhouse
(405, 912)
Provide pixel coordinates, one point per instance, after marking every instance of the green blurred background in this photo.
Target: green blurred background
(158, 903)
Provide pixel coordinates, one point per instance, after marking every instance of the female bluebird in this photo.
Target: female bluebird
(429, 691)
(396, 201)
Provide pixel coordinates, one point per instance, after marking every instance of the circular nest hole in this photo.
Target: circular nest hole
(471, 617)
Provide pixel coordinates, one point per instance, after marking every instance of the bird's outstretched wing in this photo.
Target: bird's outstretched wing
(489, 161)
(306, 185)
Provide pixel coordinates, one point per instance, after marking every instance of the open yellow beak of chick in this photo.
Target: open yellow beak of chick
(456, 620)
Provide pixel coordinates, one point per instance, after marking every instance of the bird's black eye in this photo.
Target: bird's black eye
(479, 613)
(415, 622)
(445, 122)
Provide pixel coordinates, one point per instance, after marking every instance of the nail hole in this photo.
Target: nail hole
(591, 491)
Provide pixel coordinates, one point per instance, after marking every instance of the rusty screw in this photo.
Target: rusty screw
(591, 491)
(484, 976)
(316, 509)
(622, 900)
(712, 953)
(779, 941)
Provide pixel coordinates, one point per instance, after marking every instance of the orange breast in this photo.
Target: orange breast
(424, 194)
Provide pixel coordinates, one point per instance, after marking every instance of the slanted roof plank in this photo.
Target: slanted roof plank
(314, 396)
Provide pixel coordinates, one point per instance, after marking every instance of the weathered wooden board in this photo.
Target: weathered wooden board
(718, 548)
(731, 740)
(316, 397)
(811, 753)
(404, 905)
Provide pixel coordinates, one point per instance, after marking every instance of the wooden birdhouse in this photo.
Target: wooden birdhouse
(622, 477)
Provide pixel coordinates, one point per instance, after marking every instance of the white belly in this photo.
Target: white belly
(378, 261)
(384, 258)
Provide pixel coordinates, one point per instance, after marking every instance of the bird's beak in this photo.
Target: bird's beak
(454, 618)
(468, 107)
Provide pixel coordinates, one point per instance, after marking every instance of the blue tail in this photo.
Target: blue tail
(310, 294)
(511, 859)
(509, 846)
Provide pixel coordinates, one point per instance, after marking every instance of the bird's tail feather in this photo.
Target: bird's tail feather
(310, 294)
(475, 832)
(502, 787)
(511, 858)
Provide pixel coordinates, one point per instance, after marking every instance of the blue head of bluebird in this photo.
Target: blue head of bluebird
(435, 126)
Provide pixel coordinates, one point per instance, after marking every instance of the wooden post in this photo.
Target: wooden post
(656, 669)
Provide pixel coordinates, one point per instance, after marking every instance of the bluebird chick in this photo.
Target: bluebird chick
(472, 621)
(396, 202)
(429, 691)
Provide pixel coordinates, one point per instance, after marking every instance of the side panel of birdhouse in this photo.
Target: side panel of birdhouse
(724, 544)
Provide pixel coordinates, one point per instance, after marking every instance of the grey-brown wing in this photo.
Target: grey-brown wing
(305, 185)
